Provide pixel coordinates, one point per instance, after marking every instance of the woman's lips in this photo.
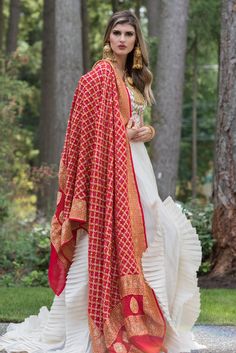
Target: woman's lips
(121, 46)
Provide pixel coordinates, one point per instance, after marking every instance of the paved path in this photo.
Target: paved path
(218, 339)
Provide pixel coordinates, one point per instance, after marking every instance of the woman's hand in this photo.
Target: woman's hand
(143, 134)
(131, 133)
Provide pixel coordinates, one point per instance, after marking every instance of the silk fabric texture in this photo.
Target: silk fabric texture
(98, 192)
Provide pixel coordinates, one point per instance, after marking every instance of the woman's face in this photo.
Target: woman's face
(122, 39)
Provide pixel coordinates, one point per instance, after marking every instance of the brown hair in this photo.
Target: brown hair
(142, 78)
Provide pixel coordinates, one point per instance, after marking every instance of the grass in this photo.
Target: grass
(16, 303)
(218, 305)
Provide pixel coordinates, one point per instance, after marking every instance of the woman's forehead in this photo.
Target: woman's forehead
(126, 27)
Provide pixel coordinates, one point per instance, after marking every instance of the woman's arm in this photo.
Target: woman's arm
(143, 134)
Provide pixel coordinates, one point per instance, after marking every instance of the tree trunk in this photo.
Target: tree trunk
(137, 8)
(153, 13)
(169, 85)
(47, 112)
(115, 5)
(85, 37)
(194, 124)
(62, 68)
(224, 188)
(13, 26)
(1, 24)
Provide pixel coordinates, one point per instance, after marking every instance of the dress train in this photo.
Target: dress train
(169, 264)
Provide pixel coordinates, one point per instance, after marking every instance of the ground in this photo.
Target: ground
(227, 281)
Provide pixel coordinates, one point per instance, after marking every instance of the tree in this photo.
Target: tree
(153, 13)
(224, 218)
(62, 68)
(200, 99)
(1, 24)
(13, 26)
(169, 93)
(85, 36)
(115, 5)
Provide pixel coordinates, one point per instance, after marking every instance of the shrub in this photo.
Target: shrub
(201, 218)
(25, 253)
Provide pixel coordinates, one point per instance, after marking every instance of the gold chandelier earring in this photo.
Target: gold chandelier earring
(108, 53)
(137, 60)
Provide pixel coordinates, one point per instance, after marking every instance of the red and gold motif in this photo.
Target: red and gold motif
(98, 192)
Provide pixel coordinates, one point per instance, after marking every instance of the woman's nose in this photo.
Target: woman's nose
(122, 37)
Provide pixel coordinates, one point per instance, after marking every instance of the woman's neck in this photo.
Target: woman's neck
(120, 62)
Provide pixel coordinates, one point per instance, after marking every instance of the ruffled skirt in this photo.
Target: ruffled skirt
(169, 265)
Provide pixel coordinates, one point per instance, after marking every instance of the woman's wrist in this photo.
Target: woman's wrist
(152, 131)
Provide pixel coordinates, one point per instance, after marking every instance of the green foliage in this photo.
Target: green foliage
(25, 253)
(3, 208)
(16, 144)
(202, 48)
(201, 218)
(35, 279)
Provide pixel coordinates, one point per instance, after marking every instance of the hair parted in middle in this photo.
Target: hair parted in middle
(142, 78)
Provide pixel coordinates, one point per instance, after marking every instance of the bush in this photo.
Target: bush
(25, 254)
(201, 218)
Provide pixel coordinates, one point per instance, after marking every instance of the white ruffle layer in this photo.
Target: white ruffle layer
(182, 313)
(169, 265)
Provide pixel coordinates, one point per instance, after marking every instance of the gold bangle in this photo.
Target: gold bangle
(153, 131)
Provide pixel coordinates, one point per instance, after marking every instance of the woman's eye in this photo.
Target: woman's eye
(116, 33)
(130, 34)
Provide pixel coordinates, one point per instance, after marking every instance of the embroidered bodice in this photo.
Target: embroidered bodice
(137, 107)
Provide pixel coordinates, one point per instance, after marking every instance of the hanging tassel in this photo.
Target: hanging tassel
(137, 61)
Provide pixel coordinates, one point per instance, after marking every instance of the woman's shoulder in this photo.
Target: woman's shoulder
(101, 70)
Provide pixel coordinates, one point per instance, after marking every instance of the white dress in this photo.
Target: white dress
(169, 265)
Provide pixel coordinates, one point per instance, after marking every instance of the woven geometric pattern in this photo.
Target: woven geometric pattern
(95, 159)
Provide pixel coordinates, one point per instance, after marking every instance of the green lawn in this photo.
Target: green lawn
(218, 305)
(16, 303)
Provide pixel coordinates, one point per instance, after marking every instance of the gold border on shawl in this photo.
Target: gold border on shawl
(62, 175)
(113, 325)
(122, 93)
(98, 342)
(78, 210)
(62, 234)
(132, 284)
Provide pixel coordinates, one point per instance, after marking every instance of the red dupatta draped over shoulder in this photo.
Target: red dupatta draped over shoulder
(98, 192)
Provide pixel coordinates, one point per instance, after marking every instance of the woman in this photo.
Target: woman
(123, 263)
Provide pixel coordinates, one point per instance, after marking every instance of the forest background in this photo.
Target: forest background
(45, 48)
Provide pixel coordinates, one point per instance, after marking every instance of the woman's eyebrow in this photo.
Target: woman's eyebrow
(118, 30)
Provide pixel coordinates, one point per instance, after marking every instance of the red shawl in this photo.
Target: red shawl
(98, 192)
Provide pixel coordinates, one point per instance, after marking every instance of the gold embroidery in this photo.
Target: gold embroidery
(97, 337)
(123, 96)
(134, 307)
(119, 348)
(113, 324)
(78, 210)
(55, 234)
(61, 217)
(62, 175)
(66, 233)
(136, 325)
(138, 97)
